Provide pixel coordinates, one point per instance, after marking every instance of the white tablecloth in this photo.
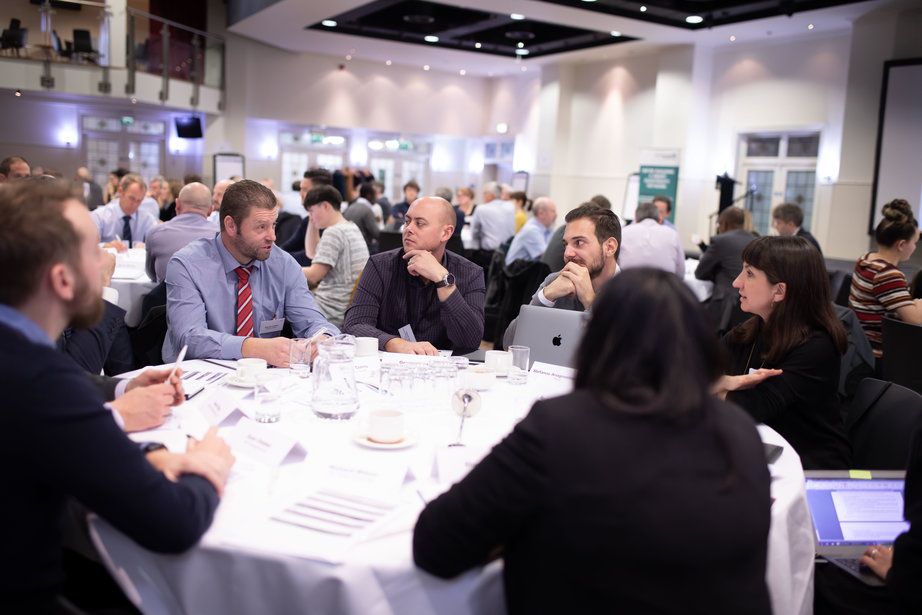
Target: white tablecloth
(131, 281)
(703, 289)
(234, 571)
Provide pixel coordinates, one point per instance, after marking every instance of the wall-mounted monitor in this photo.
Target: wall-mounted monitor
(189, 127)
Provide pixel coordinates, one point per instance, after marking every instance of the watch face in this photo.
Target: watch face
(450, 279)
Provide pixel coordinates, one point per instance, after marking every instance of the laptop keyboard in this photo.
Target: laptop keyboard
(853, 565)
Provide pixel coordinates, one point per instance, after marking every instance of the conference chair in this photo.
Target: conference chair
(147, 339)
(388, 240)
(455, 245)
(858, 361)
(901, 344)
(83, 44)
(881, 421)
(14, 39)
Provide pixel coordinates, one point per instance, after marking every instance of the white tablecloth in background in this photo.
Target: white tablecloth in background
(131, 281)
(703, 289)
(378, 576)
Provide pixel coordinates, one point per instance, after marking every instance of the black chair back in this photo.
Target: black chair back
(455, 245)
(840, 293)
(902, 343)
(388, 240)
(147, 339)
(286, 226)
(881, 421)
(83, 42)
(15, 24)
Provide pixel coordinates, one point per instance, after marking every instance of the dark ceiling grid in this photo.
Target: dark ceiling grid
(409, 21)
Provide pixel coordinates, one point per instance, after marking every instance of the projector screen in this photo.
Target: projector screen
(898, 164)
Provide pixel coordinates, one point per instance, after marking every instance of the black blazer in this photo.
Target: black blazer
(103, 347)
(903, 579)
(802, 403)
(58, 441)
(598, 511)
(723, 261)
(809, 237)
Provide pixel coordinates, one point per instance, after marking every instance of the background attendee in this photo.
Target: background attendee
(55, 429)
(360, 212)
(230, 297)
(398, 211)
(445, 192)
(121, 223)
(663, 206)
(691, 489)
(296, 244)
(649, 243)
(437, 293)
(531, 242)
(381, 200)
(493, 222)
(722, 262)
(191, 222)
(878, 287)
(520, 200)
(794, 343)
(158, 189)
(466, 201)
(337, 258)
(92, 192)
(110, 190)
(788, 220)
(14, 167)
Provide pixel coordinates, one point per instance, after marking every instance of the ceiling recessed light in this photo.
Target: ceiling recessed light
(810, 27)
(477, 45)
(524, 68)
(431, 39)
(520, 45)
(17, 93)
(348, 57)
(134, 101)
(517, 16)
(328, 23)
(388, 62)
(643, 8)
(588, 0)
(426, 67)
(615, 33)
(693, 19)
(502, 127)
(732, 38)
(462, 72)
(521, 52)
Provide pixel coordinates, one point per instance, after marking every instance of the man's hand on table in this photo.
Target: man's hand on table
(159, 376)
(404, 347)
(275, 350)
(210, 458)
(145, 407)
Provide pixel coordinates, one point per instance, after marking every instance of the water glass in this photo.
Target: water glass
(518, 373)
(299, 359)
(268, 404)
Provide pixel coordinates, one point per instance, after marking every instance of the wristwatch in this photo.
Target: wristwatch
(150, 447)
(445, 282)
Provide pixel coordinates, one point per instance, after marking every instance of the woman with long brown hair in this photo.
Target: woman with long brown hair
(785, 359)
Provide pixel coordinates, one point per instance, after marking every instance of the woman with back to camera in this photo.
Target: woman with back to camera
(638, 492)
(878, 287)
(784, 367)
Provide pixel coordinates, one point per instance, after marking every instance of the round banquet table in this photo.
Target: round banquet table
(245, 563)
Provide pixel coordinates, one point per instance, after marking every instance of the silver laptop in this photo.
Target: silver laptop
(850, 514)
(552, 335)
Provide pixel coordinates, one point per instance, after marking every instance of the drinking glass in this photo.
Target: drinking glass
(268, 408)
(300, 357)
(518, 373)
(334, 391)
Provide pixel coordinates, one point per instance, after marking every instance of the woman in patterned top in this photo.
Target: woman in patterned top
(878, 287)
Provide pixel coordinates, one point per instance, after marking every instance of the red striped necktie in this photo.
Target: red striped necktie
(244, 302)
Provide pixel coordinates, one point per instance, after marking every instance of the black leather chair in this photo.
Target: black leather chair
(83, 44)
(14, 39)
(902, 344)
(881, 421)
(147, 339)
(388, 240)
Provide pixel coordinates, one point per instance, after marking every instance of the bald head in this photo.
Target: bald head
(430, 222)
(218, 194)
(194, 198)
(545, 211)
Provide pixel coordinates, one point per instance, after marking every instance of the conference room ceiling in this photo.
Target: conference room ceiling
(549, 25)
(454, 27)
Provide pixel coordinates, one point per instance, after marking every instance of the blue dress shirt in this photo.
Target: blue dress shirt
(16, 320)
(530, 243)
(109, 221)
(201, 300)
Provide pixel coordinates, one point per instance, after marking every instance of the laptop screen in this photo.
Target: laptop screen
(854, 511)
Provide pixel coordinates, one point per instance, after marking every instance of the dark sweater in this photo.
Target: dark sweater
(597, 511)
(802, 403)
(57, 440)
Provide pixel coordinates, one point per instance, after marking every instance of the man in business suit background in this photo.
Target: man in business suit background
(92, 192)
(721, 263)
(788, 220)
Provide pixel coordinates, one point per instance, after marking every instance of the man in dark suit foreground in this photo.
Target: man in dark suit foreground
(54, 429)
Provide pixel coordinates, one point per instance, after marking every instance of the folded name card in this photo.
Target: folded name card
(265, 443)
(554, 371)
(217, 409)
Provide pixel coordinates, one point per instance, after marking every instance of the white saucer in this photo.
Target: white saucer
(408, 441)
(236, 381)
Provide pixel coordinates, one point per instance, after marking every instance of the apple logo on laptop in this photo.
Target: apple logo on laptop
(556, 340)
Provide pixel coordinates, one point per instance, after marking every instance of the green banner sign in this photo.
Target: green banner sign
(659, 181)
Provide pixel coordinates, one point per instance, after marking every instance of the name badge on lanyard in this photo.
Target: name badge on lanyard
(271, 326)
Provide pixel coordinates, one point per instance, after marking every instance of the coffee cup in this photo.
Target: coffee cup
(251, 369)
(366, 346)
(479, 378)
(499, 361)
(386, 426)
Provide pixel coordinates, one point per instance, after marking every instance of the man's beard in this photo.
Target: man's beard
(248, 250)
(595, 266)
(86, 308)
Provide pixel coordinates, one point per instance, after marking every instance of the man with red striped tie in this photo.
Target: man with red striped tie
(230, 297)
